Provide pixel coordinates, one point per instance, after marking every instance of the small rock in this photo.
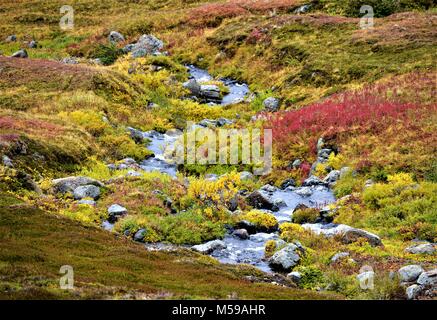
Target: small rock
(410, 273)
(246, 175)
(133, 173)
(32, 44)
(248, 226)
(423, 248)
(428, 278)
(20, 54)
(11, 38)
(271, 104)
(209, 247)
(313, 181)
(285, 259)
(87, 202)
(296, 164)
(295, 276)
(353, 234)
(368, 183)
(146, 45)
(211, 177)
(139, 235)
(193, 86)
(69, 60)
(241, 233)
(7, 161)
(304, 191)
(413, 291)
(86, 191)
(115, 37)
(336, 257)
(116, 211)
(288, 183)
(332, 177)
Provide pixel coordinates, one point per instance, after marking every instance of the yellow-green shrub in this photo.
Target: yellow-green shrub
(262, 220)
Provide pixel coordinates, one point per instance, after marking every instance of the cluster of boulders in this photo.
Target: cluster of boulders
(146, 45)
(22, 53)
(87, 191)
(417, 281)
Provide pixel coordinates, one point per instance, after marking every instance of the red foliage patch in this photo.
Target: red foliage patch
(371, 109)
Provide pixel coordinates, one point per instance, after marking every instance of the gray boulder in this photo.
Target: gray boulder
(353, 234)
(136, 135)
(410, 273)
(288, 183)
(11, 38)
(115, 211)
(115, 37)
(210, 92)
(20, 54)
(338, 256)
(295, 276)
(7, 161)
(32, 44)
(422, 248)
(332, 177)
(69, 60)
(241, 233)
(193, 86)
(313, 181)
(147, 45)
(69, 184)
(428, 278)
(209, 247)
(285, 259)
(260, 200)
(86, 191)
(271, 104)
(296, 164)
(139, 235)
(304, 191)
(413, 291)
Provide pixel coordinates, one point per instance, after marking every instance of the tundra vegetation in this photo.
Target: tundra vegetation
(66, 109)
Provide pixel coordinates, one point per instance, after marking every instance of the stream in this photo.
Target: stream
(249, 251)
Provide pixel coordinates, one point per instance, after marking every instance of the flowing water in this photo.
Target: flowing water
(237, 91)
(250, 251)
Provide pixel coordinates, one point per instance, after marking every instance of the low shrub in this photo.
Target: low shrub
(307, 215)
(262, 220)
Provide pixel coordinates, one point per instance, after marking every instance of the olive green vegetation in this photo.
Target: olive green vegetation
(34, 245)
